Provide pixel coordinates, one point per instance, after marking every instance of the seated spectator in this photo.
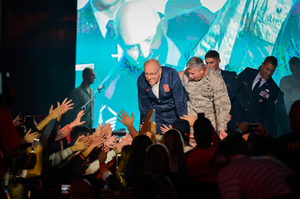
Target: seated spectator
(158, 161)
(82, 188)
(241, 176)
(184, 127)
(122, 164)
(167, 188)
(146, 186)
(136, 163)
(195, 167)
(287, 147)
(258, 142)
(173, 141)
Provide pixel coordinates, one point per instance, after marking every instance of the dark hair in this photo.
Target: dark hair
(173, 141)
(146, 186)
(157, 158)
(294, 115)
(203, 132)
(137, 157)
(272, 60)
(78, 131)
(184, 135)
(233, 144)
(294, 61)
(212, 54)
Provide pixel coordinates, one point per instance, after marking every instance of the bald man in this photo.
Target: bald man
(161, 89)
(142, 35)
(80, 96)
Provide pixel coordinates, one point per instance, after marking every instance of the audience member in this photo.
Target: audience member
(173, 141)
(136, 163)
(287, 146)
(241, 176)
(82, 188)
(158, 163)
(195, 166)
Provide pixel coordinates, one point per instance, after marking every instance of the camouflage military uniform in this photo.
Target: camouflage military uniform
(208, 96)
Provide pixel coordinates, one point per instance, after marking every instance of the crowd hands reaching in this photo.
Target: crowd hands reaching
(187, 158)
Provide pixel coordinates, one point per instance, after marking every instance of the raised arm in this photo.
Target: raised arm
(54, 114)
(128, 122)
(37, 169)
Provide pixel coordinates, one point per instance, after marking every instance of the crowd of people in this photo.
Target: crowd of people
(217, 134)
(195, 151)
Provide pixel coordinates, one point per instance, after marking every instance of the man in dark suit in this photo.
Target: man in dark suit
(160, 88)
(255, 96)
(212, 59)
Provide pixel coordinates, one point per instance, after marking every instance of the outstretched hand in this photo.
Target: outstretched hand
(77, 122)
(103, 131)
(165, 128)
(125, 119)
(28, 138)
(190, 118)
(126, 140)
(61, 109)
(110, 142)
(80, 144)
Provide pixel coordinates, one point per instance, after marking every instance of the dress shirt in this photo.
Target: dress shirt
(257, 79)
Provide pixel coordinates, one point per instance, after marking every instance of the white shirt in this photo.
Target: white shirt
(257, 79)
(155, 89)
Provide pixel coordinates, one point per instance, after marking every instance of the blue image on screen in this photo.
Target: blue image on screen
(244, 32)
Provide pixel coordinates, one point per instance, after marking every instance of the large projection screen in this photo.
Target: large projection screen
(244, 32)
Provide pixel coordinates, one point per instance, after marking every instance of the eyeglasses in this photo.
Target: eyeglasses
(151, 74)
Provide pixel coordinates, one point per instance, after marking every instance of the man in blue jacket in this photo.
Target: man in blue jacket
(160, 88)
(255, 96)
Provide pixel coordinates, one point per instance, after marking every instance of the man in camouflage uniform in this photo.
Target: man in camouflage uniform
(207, 93)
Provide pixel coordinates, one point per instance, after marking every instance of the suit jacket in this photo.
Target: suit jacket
(253, 106)
(91, 46)
(228, 77)
(171, 103)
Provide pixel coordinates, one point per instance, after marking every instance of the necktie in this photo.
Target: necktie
(110, 34)
(257, 85)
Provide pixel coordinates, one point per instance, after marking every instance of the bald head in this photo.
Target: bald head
(135, 19)
(136, 24)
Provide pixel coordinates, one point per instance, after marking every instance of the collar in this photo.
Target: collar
(262, 79)
(101, 19)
